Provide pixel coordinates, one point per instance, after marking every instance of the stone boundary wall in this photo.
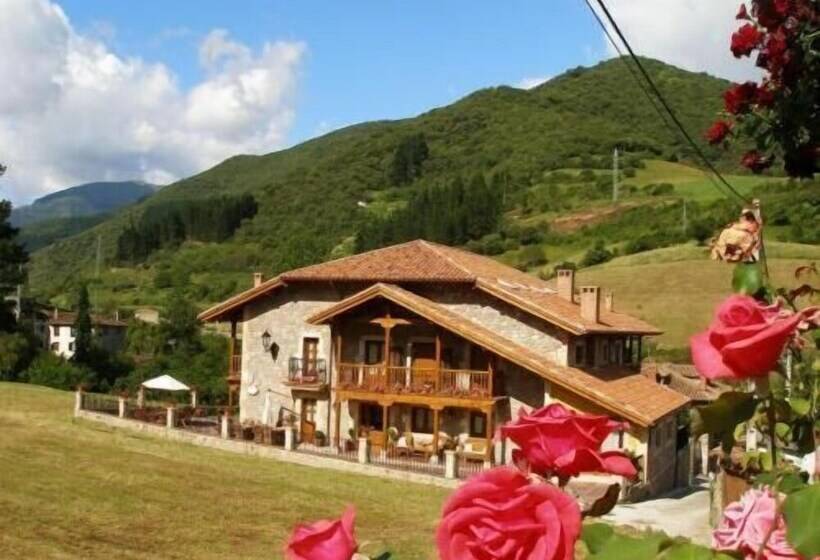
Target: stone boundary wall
(250, 448)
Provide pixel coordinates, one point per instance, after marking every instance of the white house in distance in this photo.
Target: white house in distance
(108, 332)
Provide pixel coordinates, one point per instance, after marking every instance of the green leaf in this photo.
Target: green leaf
(802, 511)
(788, 482)
(721, 416)
(777, 385)
(747, 279)
(801, 407)
(619, 547)
(595, 536)
(687, 551)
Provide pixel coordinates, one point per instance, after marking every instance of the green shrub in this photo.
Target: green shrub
(598, 254)
(54, 371)
(530, 256)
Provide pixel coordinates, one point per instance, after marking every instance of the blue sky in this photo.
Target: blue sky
(159, 90)
(365, 60)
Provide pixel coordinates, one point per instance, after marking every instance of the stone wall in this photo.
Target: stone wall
(661, 463)
(498, 316)
(283, 316)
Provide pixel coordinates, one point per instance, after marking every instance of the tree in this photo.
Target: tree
(408, 159)
(83, 337)
(781, 114)
(180, 328)
(12, 259)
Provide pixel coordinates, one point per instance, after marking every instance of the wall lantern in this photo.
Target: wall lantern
(266, 340)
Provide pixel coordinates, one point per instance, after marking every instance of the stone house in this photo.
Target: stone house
(108, 332)
(441, 346)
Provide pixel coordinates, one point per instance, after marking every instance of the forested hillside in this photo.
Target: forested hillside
(505, 171)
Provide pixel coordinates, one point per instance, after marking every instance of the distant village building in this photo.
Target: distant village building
(147, 315)
(439, 347)
(109, 333)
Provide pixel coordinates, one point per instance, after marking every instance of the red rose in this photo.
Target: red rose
(556, 441)
(745, 39)
(501, 515)
(742, 13)
(744, 340)
(755, 161)
(324, 540)
(770, 13)
(718, 132)
(764, 96)
(738, 98)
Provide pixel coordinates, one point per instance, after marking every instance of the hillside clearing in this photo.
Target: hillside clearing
(73, 489)
(677, 288)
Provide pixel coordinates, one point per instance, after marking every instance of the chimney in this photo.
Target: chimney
(257, 279)
(56, 313)
(609, 301)
(566, 283)
(590, 303)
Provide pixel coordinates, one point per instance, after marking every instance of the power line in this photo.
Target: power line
(659, 95)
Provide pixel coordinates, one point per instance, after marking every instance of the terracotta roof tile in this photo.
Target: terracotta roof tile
(68, 318)
(626, 393)
(423, 261)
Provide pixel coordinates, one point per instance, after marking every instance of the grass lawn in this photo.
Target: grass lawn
(75, 489)
(677, 288)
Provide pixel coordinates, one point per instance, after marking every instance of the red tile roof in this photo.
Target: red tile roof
(425, 262)
(625, 393)
(68, 318)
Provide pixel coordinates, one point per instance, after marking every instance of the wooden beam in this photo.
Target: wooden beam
(438, 360)
(390, 322)
(490, 371)
(435, 431)
(385, 425)
(337, 421)
(489, 425)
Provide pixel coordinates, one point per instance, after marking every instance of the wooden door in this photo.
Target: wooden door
(310, 354)
(424, 366)
(308, 422)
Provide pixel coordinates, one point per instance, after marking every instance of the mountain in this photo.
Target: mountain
(82, 201)
(315, 197)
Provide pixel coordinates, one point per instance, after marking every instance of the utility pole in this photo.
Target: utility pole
(615, 175)
(99, 255)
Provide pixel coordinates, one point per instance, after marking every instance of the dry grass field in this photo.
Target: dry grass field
(678, 288)
(74, 489)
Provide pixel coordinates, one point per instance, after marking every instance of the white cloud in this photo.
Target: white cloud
(531, 82)
(73, 111)
(692, 34)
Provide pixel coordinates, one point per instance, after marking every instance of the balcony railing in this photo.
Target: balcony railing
(465, 383)
(307, 372)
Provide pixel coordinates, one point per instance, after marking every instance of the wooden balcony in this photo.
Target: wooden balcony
(400, 380)
(307, 374)
(235, 369)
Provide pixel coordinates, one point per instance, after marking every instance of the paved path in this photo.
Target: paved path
(685, 514)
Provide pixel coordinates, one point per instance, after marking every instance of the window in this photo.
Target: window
(590, 352)
(55, 346)
(370, 416)
(310, 350)
(579, 353)
(373, 352)
(478, 424)
(422, 420)
(71, 346)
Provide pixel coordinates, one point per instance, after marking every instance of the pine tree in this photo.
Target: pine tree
(12, 259)
(83, 338)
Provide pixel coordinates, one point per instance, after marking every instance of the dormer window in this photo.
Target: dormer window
(578, 359)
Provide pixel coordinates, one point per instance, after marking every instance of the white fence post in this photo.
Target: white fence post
(364, 450)
(290, 438)
(450, 464)
(121, 408)
(169, 417)
(225, 426)
(78, 401)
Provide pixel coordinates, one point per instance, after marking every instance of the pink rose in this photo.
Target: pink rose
(744, 340)
(324, 540)
(501, 515)
(746, 525)
(556, 441)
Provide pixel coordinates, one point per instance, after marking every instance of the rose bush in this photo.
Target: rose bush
(754, 525)
(745, 339)
(555, 441)
(501, 515)
(324, 540)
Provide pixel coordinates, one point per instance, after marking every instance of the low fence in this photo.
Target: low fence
(222, 423)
